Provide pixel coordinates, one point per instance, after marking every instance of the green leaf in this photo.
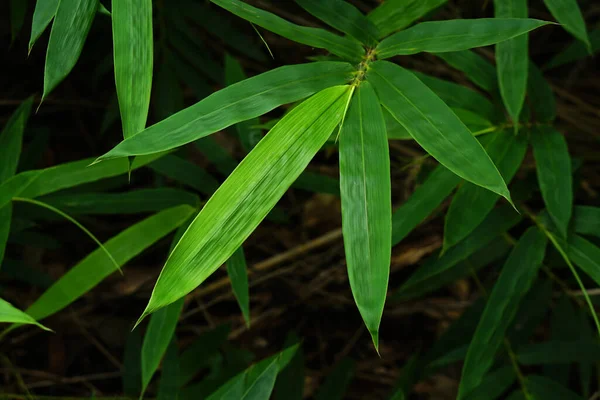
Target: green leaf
(460, 96)
(11, 141)
(366, 205)
(8, 313)
(263, 385)
(564, 317)
(242, 101)
(133, 59)
(337, 381)
(540, 95)
(69, 30)
(131, 202)
(42, 15)
(167, 386)
(394, 15)
(514, 281)
(568, 14)
(31, 184)
(168, 95)
(247, 132)
(159, 334)
(238, 275)
(512, 58)
(18, 9)
(434, 126)
(553, 166)
(494, 384)
(585, 255)
(425, 199)
(543, 388)
(472, 203)
(344, 17)
(345, 48)
(249, 193)
(95, 267)
(290, 381)
(185, 172)
(586, 220)
(480, 71)
(576, 51)
(532, 311)
(455, 35)
(559, 352)
(132, 364)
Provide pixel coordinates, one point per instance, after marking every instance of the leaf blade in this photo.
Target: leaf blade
(568, 13)
(11, 314)
(42, 15)
(238, 276)
(394, 15)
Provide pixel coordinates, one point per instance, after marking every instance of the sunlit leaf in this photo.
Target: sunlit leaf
(569, 15)
(514, 281)
(455, 35)
(340, 46)
(434, 126)
(242, 101)
(11, 314)
(238, 275)
(394, 15)
(69, 30)
(249, 193)
(133, 60)
(512, 58)
(366, 205)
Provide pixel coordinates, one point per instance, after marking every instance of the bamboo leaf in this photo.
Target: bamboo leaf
(159, 334)
(132, 365)
(394, 15)
(455, 35)
(95, 267)
(480, 71)
(69, 30)
(168, 385)
(42, 15)
(512, 58)
(568, 14)
(546, 389)
(242, 101)
(540, 95)
(425, 199)
(584, 254)
(559, 352)
(11, 314)
(249, 193)
(290, 381)
(185, 172)
(494, 384)
(345, 18)
(514, 281)
(133, 59)
(553, 166)
(18, 9)
(340, 46)
(586, 220)
(472, 203)
(434, 126)
(337, 381)
(576, 51)
(238, 275)
(366, 205)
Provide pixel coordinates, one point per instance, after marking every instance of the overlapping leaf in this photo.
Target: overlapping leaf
(568, 13)
(480, 71)
(42, 15)
(394, 15)
(11, 314)
(238, 275)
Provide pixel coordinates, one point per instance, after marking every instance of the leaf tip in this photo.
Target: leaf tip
(375, 339)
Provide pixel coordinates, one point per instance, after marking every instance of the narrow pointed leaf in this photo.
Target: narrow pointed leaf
(366, 204)
(394, 15)
(132, 365)
(494, 384)
(559, 351)
(95, 267)
(249, 193)
(514, 281)
(546, 389)
(512, 58)
(576, 51)
(18, 9)
(438, 185)
(472, 203)
(335, 385)
(540, 95)
(238, 275)
(168, 384)
(340, 46)
(11, 314)
(186, 172)
(344, 17)
(434, 126)
(480, 71)
(69, 30)
(585, 255)
(263, 385)
(133, 59)
(290, 381)
(564, 317)
(497, 222)
(586, 220)
(553, 166)
(42, 15)
(568, 13)
(157, 338)
(455, 35)
(242, 101)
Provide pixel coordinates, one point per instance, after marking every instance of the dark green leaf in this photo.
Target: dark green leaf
(290, 381)
(494, 384)
(455, 35)
(540, 95)
(366, 205)
(168, 385)
(586, 220)
(559, 352)
(585, 255)
(314, 37)
(543, 388)
(42, 15)
(576, 51)
(185, 172)
(553, 164)
(480, 71)
(238, 275)
(69, 30)
(514, 281)
(242, 101)
(337, 381)
(18, 9)
(569, 15)
(394, 15)
(132, 364)
(168, 95)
